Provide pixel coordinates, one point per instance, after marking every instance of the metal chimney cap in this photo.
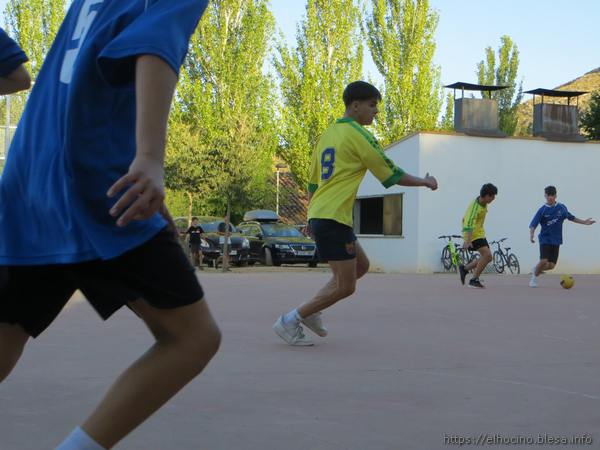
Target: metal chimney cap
(555, 93)
(475, 87)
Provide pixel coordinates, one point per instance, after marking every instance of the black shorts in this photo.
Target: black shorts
(479, 243)
(549, 252)
(335, 241)
(157, 271)
(195, 247)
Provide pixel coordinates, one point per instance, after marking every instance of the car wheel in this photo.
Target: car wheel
(312, 264)
(251, 263)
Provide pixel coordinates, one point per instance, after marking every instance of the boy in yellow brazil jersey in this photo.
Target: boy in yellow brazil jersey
(344, 153)
(474, 235)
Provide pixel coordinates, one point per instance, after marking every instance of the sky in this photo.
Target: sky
(554, 47)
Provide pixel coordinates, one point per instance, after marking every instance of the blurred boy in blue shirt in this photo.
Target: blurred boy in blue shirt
(82, 204)
(551, 217)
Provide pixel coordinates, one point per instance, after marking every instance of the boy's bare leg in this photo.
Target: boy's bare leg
(479, 265)
(542, 266)
(341, 285)
(186, 340)
(12, 341)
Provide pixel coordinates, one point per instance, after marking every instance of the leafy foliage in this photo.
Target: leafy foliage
(313, 75)
(503, 73)
(590, 119)
(33, 24)
(400, 36)
(222, 130)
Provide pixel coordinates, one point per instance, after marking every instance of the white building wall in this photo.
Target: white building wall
(395, 254)
(520, 168)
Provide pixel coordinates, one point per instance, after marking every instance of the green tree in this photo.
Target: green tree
(222, 138)
(447, 122)
(33, 24)
(313, 74)
(503, 72)
(590, 119)
(400, 35)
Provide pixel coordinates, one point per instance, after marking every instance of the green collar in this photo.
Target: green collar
(345, 120)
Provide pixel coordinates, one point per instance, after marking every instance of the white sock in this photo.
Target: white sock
(79, 440)
(292, 318)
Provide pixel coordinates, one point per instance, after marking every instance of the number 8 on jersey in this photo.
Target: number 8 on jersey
(327, 163)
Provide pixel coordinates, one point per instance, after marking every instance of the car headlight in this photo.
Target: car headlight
(282, 246)
(245, 243)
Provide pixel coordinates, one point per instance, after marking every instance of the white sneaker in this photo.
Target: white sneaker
(293, 335)
(533, 281)
(315, 324)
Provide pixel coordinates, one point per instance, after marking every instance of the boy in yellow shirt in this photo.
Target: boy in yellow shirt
(340, 160)
(474, 234)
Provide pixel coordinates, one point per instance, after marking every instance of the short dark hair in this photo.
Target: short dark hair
(194, 218)
(488, 189)
(359, 91)
(550, 190)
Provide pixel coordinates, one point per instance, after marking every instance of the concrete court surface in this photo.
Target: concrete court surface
(411, 362)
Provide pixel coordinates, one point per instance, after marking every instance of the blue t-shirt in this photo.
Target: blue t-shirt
(11, 55)
(77, 134)
(551, 219)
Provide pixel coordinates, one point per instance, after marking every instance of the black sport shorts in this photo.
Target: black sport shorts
(335, 241)
(157, 271)
(549, 252)
(479, 243)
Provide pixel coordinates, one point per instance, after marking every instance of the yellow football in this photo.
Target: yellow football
(567, 281)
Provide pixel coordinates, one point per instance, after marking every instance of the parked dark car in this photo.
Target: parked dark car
(213, 239)
(274, 243)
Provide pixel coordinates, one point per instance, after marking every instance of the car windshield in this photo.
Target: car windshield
(213, 227)
(280, 230)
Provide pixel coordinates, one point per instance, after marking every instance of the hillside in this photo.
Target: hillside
(589, 82)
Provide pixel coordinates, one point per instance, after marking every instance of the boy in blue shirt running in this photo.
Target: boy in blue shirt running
(551, 217)
(82, 204)
(13, 75)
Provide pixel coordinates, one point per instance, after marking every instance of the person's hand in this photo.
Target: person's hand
(589, 221)
(532, 239)
(430, 182)
(467, 245)
(144, 191)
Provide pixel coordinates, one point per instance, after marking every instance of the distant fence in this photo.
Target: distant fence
(11, 108)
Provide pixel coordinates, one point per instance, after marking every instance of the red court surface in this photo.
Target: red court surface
(411, 362)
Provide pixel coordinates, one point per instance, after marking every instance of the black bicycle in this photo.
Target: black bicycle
(502, 258)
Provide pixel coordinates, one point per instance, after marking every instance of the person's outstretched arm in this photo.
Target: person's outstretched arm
(144, 183)
(411, 180)
(587, 221)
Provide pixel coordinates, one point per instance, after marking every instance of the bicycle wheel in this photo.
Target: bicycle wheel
(472, 256)
(498, 261)
(446, 259)
(513, 264)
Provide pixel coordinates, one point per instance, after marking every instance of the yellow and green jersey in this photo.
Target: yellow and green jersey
(339, 162)
(473, 220)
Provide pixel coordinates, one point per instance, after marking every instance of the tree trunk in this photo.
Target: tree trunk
(190, 207)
